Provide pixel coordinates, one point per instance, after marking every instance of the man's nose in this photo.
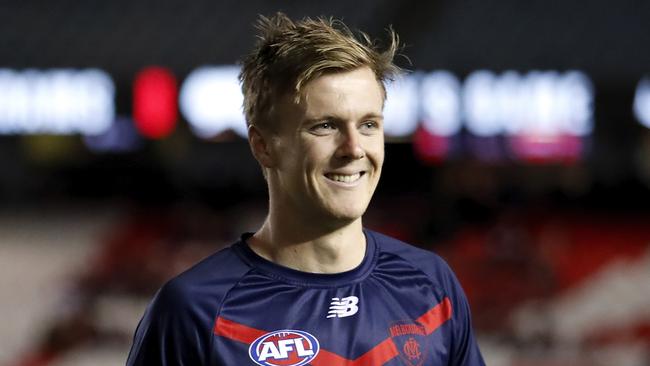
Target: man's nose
(350, 145)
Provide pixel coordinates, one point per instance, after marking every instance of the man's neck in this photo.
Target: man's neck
(310, 249)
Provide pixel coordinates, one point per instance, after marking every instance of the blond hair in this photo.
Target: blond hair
(289, 54)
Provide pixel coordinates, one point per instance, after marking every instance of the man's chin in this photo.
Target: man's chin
(345, 216)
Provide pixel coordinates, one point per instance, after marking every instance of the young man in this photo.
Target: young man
(312, 286)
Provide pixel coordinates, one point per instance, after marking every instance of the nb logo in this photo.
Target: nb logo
(342, 307)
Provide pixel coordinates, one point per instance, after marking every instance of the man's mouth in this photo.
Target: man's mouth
(344, 178)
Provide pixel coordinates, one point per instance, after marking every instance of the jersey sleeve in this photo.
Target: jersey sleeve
(169, 333)
(465, 351)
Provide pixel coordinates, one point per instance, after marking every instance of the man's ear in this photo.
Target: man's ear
(260, 145)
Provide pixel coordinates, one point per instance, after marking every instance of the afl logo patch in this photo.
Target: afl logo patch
(284, 348)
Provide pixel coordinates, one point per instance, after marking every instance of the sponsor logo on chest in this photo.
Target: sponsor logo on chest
(343, 307)
(284, 348)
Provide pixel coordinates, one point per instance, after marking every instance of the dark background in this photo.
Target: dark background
(608, 41)
(489, 219)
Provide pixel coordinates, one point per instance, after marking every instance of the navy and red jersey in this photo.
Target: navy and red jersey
(401, 306)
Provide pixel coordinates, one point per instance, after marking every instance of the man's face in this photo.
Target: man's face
(329, 150)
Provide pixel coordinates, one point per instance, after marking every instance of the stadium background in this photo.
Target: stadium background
(551, 240)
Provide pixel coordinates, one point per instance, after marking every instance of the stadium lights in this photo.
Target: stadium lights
(57, 101)
(211, 101)
(642, 102)
(537, 103)
(536, 113)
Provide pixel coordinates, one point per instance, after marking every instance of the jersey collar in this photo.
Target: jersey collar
(296, 277)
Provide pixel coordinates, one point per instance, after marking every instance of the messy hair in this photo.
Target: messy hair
(290, 53)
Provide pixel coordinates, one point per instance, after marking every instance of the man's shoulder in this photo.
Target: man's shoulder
(207, 281)
(434, 266)
(406, 251)
(182, 312)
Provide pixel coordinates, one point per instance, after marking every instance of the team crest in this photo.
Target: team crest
(284, 348)
(409, 338)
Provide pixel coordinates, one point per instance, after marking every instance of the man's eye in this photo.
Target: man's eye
(369, 125)
(323, 127)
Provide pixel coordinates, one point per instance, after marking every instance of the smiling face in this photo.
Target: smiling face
(325, 160)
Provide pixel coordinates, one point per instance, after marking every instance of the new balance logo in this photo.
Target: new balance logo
(342, 307)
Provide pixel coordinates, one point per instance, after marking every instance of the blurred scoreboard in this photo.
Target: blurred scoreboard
(510, 115)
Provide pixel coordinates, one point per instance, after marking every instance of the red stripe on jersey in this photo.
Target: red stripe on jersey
(327, 358)
(435, 317)
(235, 331)
(377, 356)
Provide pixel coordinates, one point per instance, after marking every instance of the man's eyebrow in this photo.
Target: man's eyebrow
(372, 115)
(335, 118)
(329, 117)
(325, 117)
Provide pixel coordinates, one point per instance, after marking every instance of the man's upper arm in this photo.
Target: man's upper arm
(465, 348)
(170, 332)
